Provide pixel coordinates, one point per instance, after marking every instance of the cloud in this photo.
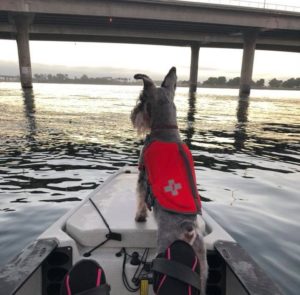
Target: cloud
(9, 68)
(12, 68)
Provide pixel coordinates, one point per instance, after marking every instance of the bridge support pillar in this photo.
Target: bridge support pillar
(194, 68)
(22, 26)
(247, 63)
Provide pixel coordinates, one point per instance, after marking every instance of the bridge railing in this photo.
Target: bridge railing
(263, 5)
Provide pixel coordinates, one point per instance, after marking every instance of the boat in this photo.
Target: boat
(102, 228)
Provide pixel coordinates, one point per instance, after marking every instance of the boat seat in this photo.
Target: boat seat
(116, 200)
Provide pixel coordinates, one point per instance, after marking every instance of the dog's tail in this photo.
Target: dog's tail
(189, 231)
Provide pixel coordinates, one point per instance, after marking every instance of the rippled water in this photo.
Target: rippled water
(59, 142)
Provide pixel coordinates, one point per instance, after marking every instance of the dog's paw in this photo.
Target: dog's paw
(141, 218)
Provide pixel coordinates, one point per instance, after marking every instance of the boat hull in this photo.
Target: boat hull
(77, 234)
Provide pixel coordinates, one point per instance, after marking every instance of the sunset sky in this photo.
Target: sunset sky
(124, 60)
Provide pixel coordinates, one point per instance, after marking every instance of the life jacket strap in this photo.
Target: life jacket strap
(191, 179)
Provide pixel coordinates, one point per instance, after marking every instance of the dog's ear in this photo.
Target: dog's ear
(170, 80)
(147, 81)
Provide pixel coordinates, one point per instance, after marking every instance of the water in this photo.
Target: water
(61, 141)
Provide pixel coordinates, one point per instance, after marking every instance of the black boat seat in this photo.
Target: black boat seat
(177, 271)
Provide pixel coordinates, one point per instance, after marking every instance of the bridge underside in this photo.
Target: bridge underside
(56, 27)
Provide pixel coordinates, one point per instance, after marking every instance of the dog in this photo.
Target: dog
(155, 113)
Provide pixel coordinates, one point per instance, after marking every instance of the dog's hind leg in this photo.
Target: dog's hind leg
(141, 214)
(199, 248)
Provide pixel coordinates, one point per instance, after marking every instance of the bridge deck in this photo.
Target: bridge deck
(153, 22)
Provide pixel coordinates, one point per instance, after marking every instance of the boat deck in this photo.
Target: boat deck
(41, 267)
(117, 202)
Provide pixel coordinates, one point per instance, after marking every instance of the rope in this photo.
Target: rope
(110, 236)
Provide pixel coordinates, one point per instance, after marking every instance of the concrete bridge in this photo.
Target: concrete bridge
(150, 22)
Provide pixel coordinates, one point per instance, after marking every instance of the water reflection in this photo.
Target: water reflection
(58, 162)
(29, 111)
(240, 132)
(190, 131)
(242, 110)
(76, 141)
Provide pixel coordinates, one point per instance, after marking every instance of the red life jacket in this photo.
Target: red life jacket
(171, 176)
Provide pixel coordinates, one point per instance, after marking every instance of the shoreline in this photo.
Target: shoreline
(139, 84)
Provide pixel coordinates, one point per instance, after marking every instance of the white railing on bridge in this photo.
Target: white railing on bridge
(264, 4)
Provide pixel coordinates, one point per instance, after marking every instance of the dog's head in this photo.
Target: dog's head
(155, 106)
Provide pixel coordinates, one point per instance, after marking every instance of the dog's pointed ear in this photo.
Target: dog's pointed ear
(147, 80)
(170, 79)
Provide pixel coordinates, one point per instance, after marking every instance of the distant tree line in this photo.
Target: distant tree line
(84, 79)
(261, 83)
(292, 83)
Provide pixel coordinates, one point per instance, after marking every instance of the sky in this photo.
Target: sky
(124, 60)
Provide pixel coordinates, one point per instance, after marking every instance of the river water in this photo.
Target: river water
(58, 142)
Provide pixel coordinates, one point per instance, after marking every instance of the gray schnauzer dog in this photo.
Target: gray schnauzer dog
(155, 112)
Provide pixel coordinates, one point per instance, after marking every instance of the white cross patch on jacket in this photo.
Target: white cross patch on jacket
(172, 187)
